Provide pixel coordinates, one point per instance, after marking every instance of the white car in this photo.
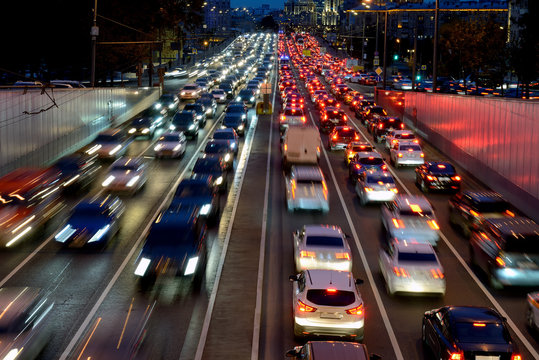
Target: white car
(170, 144)
(219, 95)
(127, 174)
(327, 302)
(532, 313)
(176, 73)
(375, 186)
(411, 267)
(109, 144)
(321, 247)
(394, 136)
(190, 92)
(410, 217)
(406, 153)
(306, 189)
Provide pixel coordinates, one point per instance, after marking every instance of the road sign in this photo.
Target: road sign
(265, 89)
(378, 78)
(376, 62)
(423, 67)
(378, 71)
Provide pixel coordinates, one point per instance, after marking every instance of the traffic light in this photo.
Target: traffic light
(395, 57)
(418, 77)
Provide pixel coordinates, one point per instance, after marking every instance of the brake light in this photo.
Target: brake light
(474, 213)
(399, 224)
(510, 213)
(342, 256)
(335, 137)
(402, 126)
(368, 189)
(422, 155)
(400, 155)
(437, 273)
(433, 225)
(456, 356)
(395, 190)
(500, 261)
(479, 324)
(431, 178)
(285, 147)
(303, 119)
(325, 117)
(384, 167)
(358, 166)
(516, 357)
(456, 178)
(305, 308)
(305, 253)
(356, 137)
(400, 272)
(283, 118)
(358, 310)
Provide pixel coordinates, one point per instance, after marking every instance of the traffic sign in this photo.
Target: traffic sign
(265, 89)
(378, 71)
(423, 67)
(376, 62)
(378, 78)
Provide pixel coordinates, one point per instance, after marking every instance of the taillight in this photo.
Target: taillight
(368, 189)
(456, 178)
(399, 224)
(395, 190)
(335, 137)
(285, 147)
(433, 225)
(303, 119)
(437, 273)
(500, 262)
(342, 256)
(358, 166)
(422, 155)
(516, 357)
(456, 356)
(402, 126)
(431, 178)
(381, 126)
(305, 253)
(305, 308)
(400, 155)
(384, 167)
(356, 137)
(283, 118)
(400, 272)
(358, 310)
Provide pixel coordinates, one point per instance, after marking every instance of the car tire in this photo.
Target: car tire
(389, 291)
(298, 334)
(362, 200)
(424, 187)
(530, 320)
(494, 282)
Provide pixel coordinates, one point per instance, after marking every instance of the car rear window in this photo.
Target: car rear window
(467, 332)
(378, 178)
(405, 147)
(362, 148)
(410, 212)
(333, 298)
(349, 132)
(491, 206)
(331, 241)
(442, 169)
(371, 161)
(416, 257)
(293, 112)
(527, 244)
(404, 136)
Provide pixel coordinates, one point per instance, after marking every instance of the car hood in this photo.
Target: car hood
(178, 253)
(232, 120)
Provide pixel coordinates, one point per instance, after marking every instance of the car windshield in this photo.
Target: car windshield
(380, 179)
(106, 138)
(406, 147)
(362, 148)
(410, 212)
(169, 138)
(331, 298)
(441, 169)
(141, 122)
(166, 98)
(492, 206)
(416, 257)
(193, 107)
(480, 333)
(293, 112)
(89, 210)
(218, 92)
(371, 161)
(206, 165)
(222, 135)
(124, 167)
(191, 190)
(190, 87)
(331, 241)
(235, 109)
(183, 118)
(524, 243)
(347, 133)
(246, 93)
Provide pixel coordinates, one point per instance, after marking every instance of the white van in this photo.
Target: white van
(300, 145)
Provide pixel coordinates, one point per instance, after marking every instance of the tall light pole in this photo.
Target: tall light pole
(385, 49)
(435, 52)
(94, 32)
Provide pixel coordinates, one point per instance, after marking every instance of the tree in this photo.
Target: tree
(268, 23)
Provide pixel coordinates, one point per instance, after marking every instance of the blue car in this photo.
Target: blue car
(364, 161)
(214, 166)
(176, 244)
(198, 191)
(93, 222)
(236, 121)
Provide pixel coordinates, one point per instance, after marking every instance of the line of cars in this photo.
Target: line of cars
(408, 258)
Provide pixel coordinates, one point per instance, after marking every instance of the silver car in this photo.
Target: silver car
(410, 217)
(219, 95)
(127, 174)
(109, 144)
(170, 144)
(190, 92)
(406, 153)
(394, 136)
(411, 267)
(24, 322)
(327, 302)
(322, 247)
(306, 189)
(375, 186)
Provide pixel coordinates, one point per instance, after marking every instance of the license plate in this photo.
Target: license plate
(487, 357)
(330, 315)
(444, 179)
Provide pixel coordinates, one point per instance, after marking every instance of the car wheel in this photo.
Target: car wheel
(362, 200)
(473, 259)
(298, 333)
(424, 335)
(530, 319)
(424, 187)
(494, 282)
(389, 290)
(396, 163)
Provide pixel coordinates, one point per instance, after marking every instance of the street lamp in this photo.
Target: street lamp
(94, 32)
(435, 52)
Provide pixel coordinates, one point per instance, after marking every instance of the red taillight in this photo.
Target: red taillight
(456, 356)
(285, 147)
(400, 155)
(342, 256)
(456, 178)
(305, 308)
(305, 253)
(358, 310)
(381, 126)
(335, 137)
(479, 324)
(437, 273)
(283, 118)
(384, 167)
(331, 290)
(399, 224)
(402, 126)
(500, 262)
(358, 166)
(431, 178)
(303, 119)
(433, 225)
(422, 155)
(400, 272)
(516, 357)
(356, 137)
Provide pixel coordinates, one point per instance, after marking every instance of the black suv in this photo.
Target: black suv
(383, 125)
(185, 121)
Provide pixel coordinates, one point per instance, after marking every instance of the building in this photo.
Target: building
(300, 12)
(216, 17)
(331, 14)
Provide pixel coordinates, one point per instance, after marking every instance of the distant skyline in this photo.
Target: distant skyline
(274, 4)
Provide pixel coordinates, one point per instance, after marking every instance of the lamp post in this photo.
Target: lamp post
(385, 49)
(435, 52)
(94, 32)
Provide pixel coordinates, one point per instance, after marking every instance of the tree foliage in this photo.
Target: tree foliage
(268, 23)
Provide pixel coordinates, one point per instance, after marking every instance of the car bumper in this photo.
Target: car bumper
(338, 145)
(418, 286)
(309, 204)
(167, 153)
(402, 161)
(379, 196)
(330, 327)
(441, 185)
(517, 277)
(312, 263)
(421, 237)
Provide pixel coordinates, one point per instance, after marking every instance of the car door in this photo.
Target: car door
(386, 260)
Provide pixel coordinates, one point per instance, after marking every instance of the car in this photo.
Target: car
(532, 311)
(219, 95)
(190, 92)
(411, 267)
(507, 251)
(109, 144)
(214, 166)
(351, 96)
(127, 174)
(93, 222)
(364, 161)
(208, 101)
(143, 125)
(175, 244)
(327, 303)
(437, 175)
(186, 122)
(291, 116)
(410, 217)
(375, 186)
(77, 171)
(27, 323)
(394, 136)
(362, 106)
(353, 148)
(198, 191)
(230, 135)
(215, 146)
(228, 88)
(306, 189)
(368, 114)
(200, 112)
(330, 350)
(177, 72)
(324, 101)
(170, 144)
(467, 332)
(317, 93)
(403, 84)
(246, 96)
(236, 121)
(341, 136)
(332, 116)
(321, 247)
(406, 153)
(467, 210)
(166, 104)
(383, 125)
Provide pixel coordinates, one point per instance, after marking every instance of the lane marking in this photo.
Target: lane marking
(255, 348)
(127, 259)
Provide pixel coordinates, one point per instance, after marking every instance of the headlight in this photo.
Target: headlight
(157, 106)
(219, 180)
(191, 266)
(133, 181)
(107, 181)
(191, 127)
(243, 116)
(64, 234)
(205, 209)
(145, 131)
(233, 145)
(132, 130)
(227, 157)
(142, 266)
(177, 147)
(171, 105)
(238, 98)
(199, 117)
(12, 354)
(115, 150)
(252, 98)
(240, 127)
(99, 234)
(93, 149)
(172, 127)
(158, 147)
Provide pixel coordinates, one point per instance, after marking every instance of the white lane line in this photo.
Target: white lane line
(377, 296)
(487, 293)
(127, 259)
(239, 175)
(255, 348)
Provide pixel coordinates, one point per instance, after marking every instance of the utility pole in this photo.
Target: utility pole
(435, 52)
(385, 49)
(414, 62)
(94, 32)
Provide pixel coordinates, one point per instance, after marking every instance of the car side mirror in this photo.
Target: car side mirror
(359, 281)
(293, 278)
(291, 353)
(375, 357)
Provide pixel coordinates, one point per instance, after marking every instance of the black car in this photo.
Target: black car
(185, 121)
(198, 191)
(144, 125)
(361, 106)
(383, 125)
(467, 332)
(247, 97)
(222, 147)
(166, 104)
(200, 111)
(236, 121)
(208, 101)
(77, 171)
(437, 175)
(331, 117)
(370, 113)
(467, 210)
(228, 88)
(214, 166)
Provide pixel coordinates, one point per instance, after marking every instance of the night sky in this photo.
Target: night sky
(274, 4)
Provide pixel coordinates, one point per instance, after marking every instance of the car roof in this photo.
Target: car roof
(322, 230)
(338, 350)
(473, 313)
(515, 226)
(366, 154)
(322, 279)
(371, 173)
(405, 201)
(307, 172)
(414, 246)
(483, 196)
